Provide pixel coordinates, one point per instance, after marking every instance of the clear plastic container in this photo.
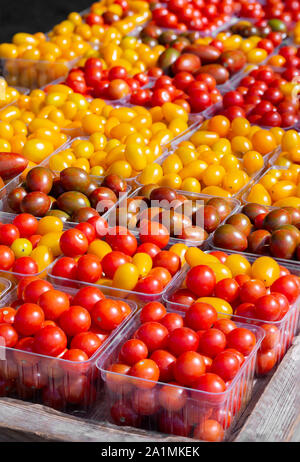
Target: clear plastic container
(5, 286)
(203, 198)
(244, 197)
(287, 327)
(22, 91)
(281, 261)
(69, 386)
(4, 207)
(124, 396)
(33, 73)
(186, 137)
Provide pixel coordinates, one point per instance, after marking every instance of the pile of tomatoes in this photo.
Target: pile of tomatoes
(195, 94)
(28, 246)
(112, 84)
(194, 357)
(44, 320)
(194, 15)
(261, 97)
(119, 260)
(260, 230)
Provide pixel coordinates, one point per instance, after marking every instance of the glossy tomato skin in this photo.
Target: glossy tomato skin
(111, 262)
(201, 280)
(25, 265)
(149, 248)
(88, 230)
(210, 383)
(147, 370)
(181, 340)
(73, 242)
(50, 341)
(122, 240)
(75, 320)
(87, 342)
(89, 268)
(165, 362)
(172, 321)
(154, 233)
(152, 311)
(153, 334)
(7, 258)
(188, 368)
(87, 297)
(7, 315)
(9, 334)
(26, 223)
(200, 316)
(54, 303)
(132, 351)
(29, 319)
(212, 342)
(169, 260)
(267, 308)
(34, 290)
(8, 234)
(107, 314)
(65, 267)
(242, 340)
(287, 286)
(226, 365)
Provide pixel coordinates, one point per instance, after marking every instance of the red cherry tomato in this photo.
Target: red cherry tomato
(26, 223)
(181, 340)
(8, 234)
(8, 335)
(29, 319)
(172, 321)
(89, 268)
(50, 341)
(107, 314)
(212, 342)
(226, 365)
(65, 267)
(242, 340)
(152, 311)
(132, 351)
(87, 297)
(201, 280)
(75, 320)
(54, 303)
(25, 265)
(7, 315)
(73, 243)
(111, 262)
(35, 289)
(165, 362)
(200, 316)
(188, 368)
(7, 258)
(87, 342)
(153, 334)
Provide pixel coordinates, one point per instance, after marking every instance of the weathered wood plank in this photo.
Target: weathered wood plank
(41, 423)
(276, 415)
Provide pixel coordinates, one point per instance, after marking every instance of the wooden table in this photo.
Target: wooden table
(273, 414)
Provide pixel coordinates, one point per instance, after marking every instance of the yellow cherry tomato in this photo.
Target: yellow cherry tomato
(49, 224)
(126, 276)
(43, 256)
(266, 269)
(238, 265)
(143, 262)
(99, 248)
(222, 307)
(21, 247)
(52, 241)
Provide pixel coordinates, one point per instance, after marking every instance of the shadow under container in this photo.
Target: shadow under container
(147, 404)
(33, 73)
(234, 204)
(68, 386)
(288, 326)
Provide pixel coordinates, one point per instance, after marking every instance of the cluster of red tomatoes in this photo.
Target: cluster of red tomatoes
(193, 14)
(17, 239)
(197, 351)
(50, 322)
(260, 98)
(112, 84)
(54, 323)
(120, 260)
(108, 17)
(193, 93)
(287, 11)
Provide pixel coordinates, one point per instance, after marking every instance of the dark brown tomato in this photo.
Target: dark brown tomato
(219, 72)
(258, 241)
(207, 54)
(71, 201)
(39, 179)
(104, 195)
(147, 190)
(187, 62)
(241, 222)
(228, 237)
(253, 210)
(211, 218)
(82, 215)
(59, 214)
(283, 244)
(233, 60)
(294, 213)
(57, 188)
(275, 219)
(163, 194)
(15, 198)
(294, 230)
(222, 206)
(115, 183)
(37, 203)
(167, 58)
(75, 179)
